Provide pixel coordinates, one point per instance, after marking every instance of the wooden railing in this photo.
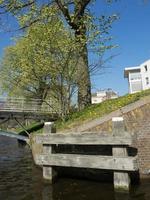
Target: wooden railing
(119, 161)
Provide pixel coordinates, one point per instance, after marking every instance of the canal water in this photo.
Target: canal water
(20, 179)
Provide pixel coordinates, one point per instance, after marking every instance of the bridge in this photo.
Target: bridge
(21, 108)
(27, 108)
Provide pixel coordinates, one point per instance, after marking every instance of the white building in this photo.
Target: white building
(138, 77)
(102, 95)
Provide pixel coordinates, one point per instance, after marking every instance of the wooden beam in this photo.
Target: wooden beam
(84, 139)
(48, 172)
(89, 161)
(121, 180)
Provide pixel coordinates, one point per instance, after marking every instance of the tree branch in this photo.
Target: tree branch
(9, 7)
(66, 13)
(80, 8)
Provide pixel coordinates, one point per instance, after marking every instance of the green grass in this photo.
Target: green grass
(98, 110)
(36, 127)
(33, 127)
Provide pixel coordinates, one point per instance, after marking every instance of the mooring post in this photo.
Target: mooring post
(48, 172)
(121, 179)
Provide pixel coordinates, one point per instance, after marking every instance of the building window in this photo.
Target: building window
(147, 81)
(145, 68)
(135, 76)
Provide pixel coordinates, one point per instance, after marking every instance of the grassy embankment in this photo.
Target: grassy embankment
(90, 113)
(99, 110)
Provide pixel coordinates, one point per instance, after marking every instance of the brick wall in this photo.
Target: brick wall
(137, 121)
(143, 146)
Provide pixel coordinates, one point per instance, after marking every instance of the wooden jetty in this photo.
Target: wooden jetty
(119, 162)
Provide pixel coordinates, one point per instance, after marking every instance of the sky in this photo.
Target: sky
(131, 33)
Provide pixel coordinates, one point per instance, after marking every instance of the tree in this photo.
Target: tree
(42, 64)
(77, 17)
(76, 20)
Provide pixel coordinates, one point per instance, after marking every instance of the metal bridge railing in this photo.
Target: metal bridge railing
(26, 105)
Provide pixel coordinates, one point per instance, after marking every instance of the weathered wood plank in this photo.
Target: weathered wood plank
(48, 172)
(84, 139)
(121, 180)
(89, 161)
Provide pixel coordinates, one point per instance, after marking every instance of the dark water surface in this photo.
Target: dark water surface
(20, 179)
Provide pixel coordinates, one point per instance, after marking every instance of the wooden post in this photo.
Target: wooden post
(121, 179)
(48, 172)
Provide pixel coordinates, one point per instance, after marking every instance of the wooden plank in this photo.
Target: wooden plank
(48, 172)
(121, 180)
(89, 161)
(84, 139)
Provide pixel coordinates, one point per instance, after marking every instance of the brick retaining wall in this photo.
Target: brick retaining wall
(137, 121)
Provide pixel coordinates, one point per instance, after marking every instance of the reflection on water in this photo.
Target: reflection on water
(21, 180)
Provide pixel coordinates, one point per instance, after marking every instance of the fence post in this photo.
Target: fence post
(48, 172)
(121, 179)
